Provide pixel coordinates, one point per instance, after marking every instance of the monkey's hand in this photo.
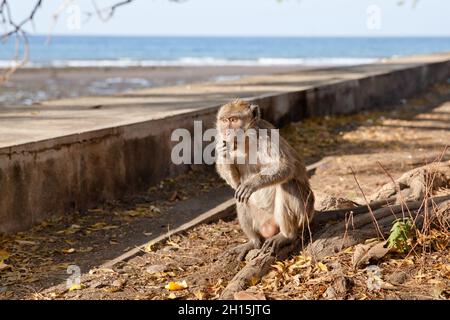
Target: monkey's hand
(244, 191)
(222, 152)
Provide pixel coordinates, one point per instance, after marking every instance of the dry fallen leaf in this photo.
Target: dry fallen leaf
(101, 270)
(348, 250)
(175, 286)
(367, 252)
(243, 295)
(173, 244)
(75, 287)
(95, 211)
(199, 295)
(322, 267)
(254, 281)
(24, 242)
(279, 266)
(4, 266)
(4, 255)
(174, 196)
(101, 226)
(68, 251)
(148, 247)
(156, 268)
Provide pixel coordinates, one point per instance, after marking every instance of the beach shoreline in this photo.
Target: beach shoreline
(29, 86)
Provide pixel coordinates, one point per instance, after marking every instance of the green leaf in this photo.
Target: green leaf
(400, 236)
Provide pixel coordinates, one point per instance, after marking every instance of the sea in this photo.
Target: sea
(115, 51)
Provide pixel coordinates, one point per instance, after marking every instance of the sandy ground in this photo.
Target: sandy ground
(28, 86)
(409, 135)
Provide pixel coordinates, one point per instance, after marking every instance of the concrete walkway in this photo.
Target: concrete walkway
(59, 118)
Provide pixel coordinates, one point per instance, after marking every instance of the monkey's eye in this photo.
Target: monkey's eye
(233, 119)
(224, 120)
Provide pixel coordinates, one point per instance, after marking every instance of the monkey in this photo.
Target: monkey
(273, 196)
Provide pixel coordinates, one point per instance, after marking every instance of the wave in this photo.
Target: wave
(195, 62)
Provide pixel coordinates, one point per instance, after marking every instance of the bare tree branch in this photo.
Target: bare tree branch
(12, 28)
(16, 27)
(109, 10)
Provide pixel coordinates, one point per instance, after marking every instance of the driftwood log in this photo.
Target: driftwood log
(410, 196)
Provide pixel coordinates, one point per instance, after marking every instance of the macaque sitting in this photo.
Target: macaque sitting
(273, 196)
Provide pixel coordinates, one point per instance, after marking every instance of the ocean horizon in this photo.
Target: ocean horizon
(161, 51)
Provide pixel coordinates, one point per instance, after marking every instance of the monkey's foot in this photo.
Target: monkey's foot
(276, 243)
(243, 249)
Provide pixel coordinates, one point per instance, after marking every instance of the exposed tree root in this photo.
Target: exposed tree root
(417, 183)
(336, 230)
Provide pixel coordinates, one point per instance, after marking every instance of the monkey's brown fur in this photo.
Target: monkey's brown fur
(274, 199)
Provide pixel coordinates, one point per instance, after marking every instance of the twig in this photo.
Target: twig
(397, 188)
(377, 227)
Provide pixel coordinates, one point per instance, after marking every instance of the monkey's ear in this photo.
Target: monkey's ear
(256, 111)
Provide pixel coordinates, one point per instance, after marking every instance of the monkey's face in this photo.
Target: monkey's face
(228, 127)
(235, 118)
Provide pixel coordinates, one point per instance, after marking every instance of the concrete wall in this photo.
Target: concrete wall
(76, 172)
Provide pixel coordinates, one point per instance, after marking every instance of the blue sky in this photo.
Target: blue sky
(251, 18)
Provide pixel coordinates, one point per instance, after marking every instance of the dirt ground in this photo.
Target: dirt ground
(33, 265)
